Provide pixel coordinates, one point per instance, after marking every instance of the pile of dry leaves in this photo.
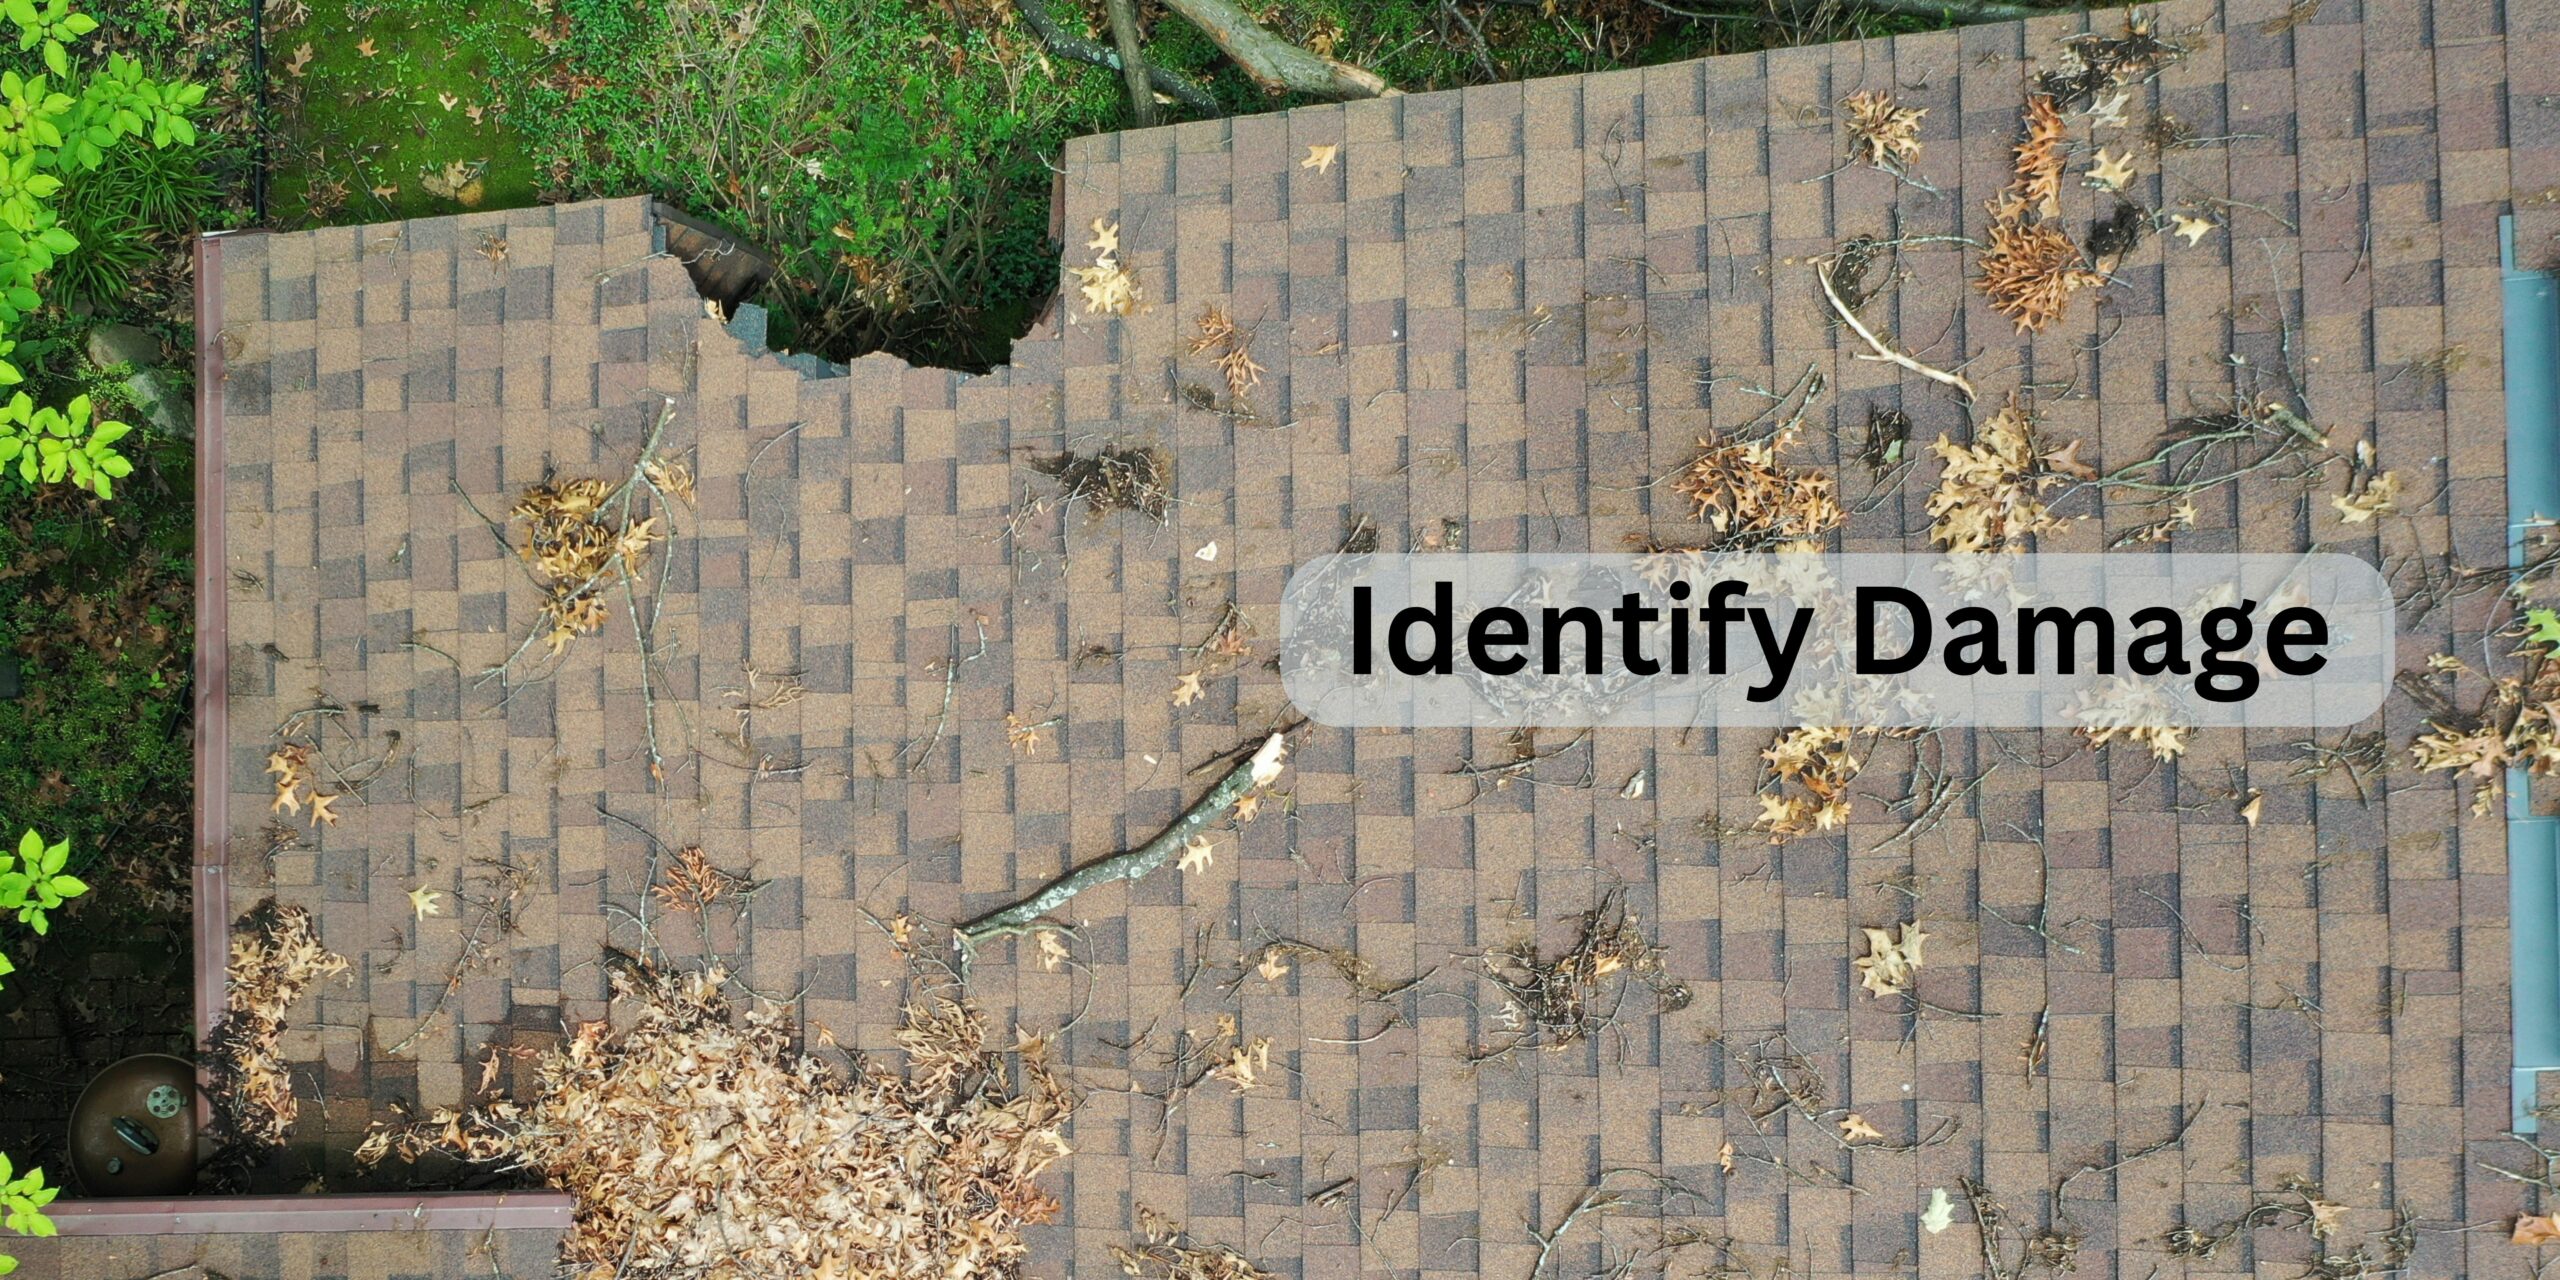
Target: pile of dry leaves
(1886, 133)
(2031, 269)
(275, 956)
(1991, 496)
(1751, 499)
(2516, 727)
(1810, 769)
(700, 1142)
(1166, 1252)
(574, 540)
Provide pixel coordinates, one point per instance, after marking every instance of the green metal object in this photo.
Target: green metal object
(2533, 843)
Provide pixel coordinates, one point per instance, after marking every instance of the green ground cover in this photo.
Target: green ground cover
(388, 109)
(896, 157)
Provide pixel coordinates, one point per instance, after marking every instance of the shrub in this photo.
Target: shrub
(32, 882)
(121, 212)
(57, 124)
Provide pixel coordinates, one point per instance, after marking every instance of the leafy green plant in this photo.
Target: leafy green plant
(24, 1198)
(55, 124)
(32, 882)
(53, 445)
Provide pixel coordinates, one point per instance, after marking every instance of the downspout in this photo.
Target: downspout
(2533, 843)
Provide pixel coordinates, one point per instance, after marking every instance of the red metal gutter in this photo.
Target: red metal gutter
(216, 1215)
(213, 653)
(268, 1215)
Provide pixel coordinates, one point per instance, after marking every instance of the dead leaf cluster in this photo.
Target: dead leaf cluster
(1885, 132)
(1560, 1001)
(1107, 286)
(1115, 478)
(692, 884)
(1751, 499)
(1991, 495)
(290, 765)
(2030, 268)
(580, 550)
(1166, 1252)
(2517, 726)
(2094, 64)
(701, 1141)
(2135, 710)
(1232, 345)
(1810, 769)
(275, 956)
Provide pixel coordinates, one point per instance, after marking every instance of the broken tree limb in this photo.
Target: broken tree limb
(1275, 64)
(1024, 916)
(1133, 63)
(1883, 350)
(1093, 53)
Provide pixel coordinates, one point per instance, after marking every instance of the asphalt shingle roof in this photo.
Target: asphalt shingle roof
(1497, 319)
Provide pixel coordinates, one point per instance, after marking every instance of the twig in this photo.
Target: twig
(1883, 350)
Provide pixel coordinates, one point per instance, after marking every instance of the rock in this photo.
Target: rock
(167, 411)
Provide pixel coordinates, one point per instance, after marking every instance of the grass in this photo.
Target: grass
(896, 158)
(375, 104)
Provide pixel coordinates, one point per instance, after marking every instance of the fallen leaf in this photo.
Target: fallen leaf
(1052, 951)
(1891, 961)
(1724, 1157)
(2380, 496)
(2109, 112)
(386, 191)
(1886, 132)
(1319, 158)
(1272, 968)
(2190, 227)
(1249, 808)
(2326, 1217)
(1105, 241)
(365, 47)
(321, 813)
(1268, 760)
(1196, 855)
(476, 113)
(2535, 1229)
(1207, 553)
(448, 101)
(2066, 461)
(489, 1071)
(1854, 1127)
(2111, 172)
(286, 800)
(458, 181)
(426, 902)
(2542, 626)
(1940, 1214)
(1634, 790)
(2257, 804)
(301, 58)
(1186, 690)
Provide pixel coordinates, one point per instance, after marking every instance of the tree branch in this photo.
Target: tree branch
(1133, 64)
(1074, 48)
(1023, 916)
(1275, 64)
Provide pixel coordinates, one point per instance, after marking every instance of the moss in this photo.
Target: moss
(359, 134)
